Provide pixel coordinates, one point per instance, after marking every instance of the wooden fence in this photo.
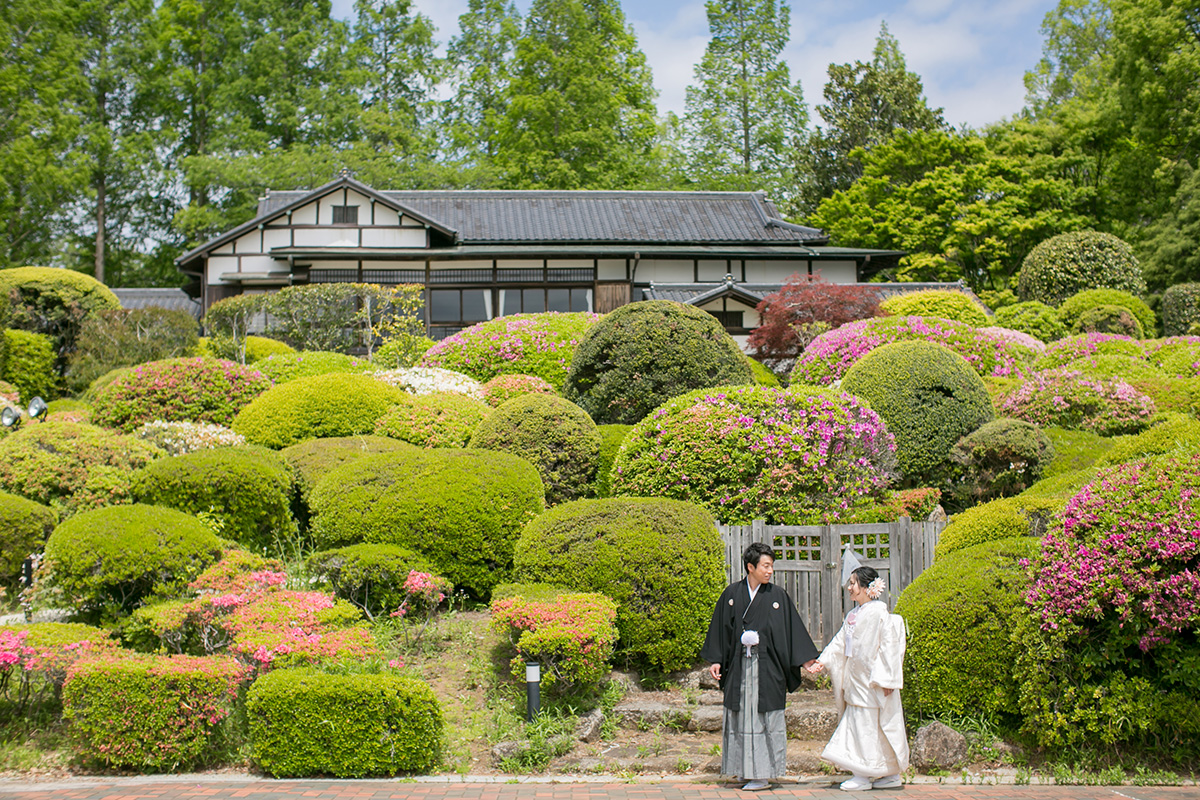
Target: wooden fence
(808, 562)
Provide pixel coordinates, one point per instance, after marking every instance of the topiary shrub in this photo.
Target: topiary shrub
(1074, 308)
(260, 347)
(553, 434)
(1001, 458)
(517, 344)
(1177, 434)
(371, 576)
(24, 526)
(71, 466)
(317, 407)
(1109, 319)
(1067, 399)
(661, 560)
(156, 713)
(831, 354)
(643, 354)
(177, 438)
(940, 303)
(1180, 308)
(89, 395)
(442, 419)
(461, 509)
(541, 592)
(290, 365)
(762, 375)
(110, 560)
(503, 388)
(120, 338)
(350, 726)
(928, 396)
(311, 460)
(1070, 263)
(611, 439)
(1073, 450)
(177, 390)
(790, 456)
(1086, 345)
(960, 614)
(987, 522)
(247, 489)
(30, 364)
(54, 302)
(1034, 318)
(916, 504)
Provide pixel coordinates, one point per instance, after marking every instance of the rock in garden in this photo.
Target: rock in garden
(503, 750)
(707, 681)
(590, 726)
(938, 746)
(706, 718)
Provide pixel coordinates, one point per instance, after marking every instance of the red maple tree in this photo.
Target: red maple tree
(803, 308)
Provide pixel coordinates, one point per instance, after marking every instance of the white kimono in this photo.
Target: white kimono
(864, 658)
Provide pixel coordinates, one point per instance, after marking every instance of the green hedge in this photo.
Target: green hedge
(1037, 319)
(109, 560)
(54, 302)
(1177, 434)
(461, 509)
(440, 419)
(929, 396)
(960, 614)
(369, 575)
(30, 364)
(940, 303)
(1180, 308)
(643, 354)
(1070, 263)
(312, 459)
(309, 723)
(317, 407)
(249, 489)
(288, 366)
(988, 522)
(553, 434)
(1074, 308)
(24, 526)
(1001, 458)
(762, 375)
(661, 560)
(529, 591)
(611, 439)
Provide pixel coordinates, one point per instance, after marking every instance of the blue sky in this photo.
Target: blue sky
(971, 54)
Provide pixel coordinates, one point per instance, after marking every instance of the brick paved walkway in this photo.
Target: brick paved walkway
(185, 788)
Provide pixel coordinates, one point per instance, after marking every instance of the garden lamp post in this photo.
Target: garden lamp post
(533, 689)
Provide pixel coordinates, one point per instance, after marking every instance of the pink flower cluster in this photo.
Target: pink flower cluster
(423, 594)
(51, 650)
(1011, 336)
(1073, 348)
(572, 636)
(1067, 399)
(505, 387)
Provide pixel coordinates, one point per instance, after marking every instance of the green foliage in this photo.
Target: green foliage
(661, 560)
(1070, 263)
(461, 509)
(440, 419)
(940, 303)
(1033, 317)
(228, 322)
(89, 395)
(371, 576)
(1074, 450)
(1177, 434)
(928, 395)
(401, 351)
(54, 302)
(960, 614)
(1069, 399)
(260, 347)
(987, 522)
(1001, 458)
(306, 723)
(1064, 351)
(553, 434)
(71, 466)
(1178, 356)
(571, 636)
(154, 713)
(24, 526)
(125, 337)
(1109, 319)
(248, 489)
(611, 439)
(762, 375)
(643, 354)
(916, 504)
(110, 560)
(29, 365)
(1180, 308)
(311, 408)
(288, 366)
(1076, 306)
(313, 458)
(542, 592)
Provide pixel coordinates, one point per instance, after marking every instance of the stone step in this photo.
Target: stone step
(809, 715)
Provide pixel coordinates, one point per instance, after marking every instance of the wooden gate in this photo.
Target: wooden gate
(808, 562)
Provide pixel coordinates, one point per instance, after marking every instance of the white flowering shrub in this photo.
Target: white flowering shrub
(428, 380)
(178, 438)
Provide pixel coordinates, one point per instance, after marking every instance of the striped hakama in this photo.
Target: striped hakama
(754, 744)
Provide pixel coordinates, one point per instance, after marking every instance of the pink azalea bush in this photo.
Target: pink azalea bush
(35, 659)
(1066, 398)
(790, 456)
(423, 593)
(528, 344)
(830, 355)
(571, 636)
(505, 387)
(1072, 348)
(1011, 336)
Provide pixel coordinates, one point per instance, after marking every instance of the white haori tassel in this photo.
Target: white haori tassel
(749, 638)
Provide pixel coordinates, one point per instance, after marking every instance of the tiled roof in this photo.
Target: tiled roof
(693, 292)
(172, 299)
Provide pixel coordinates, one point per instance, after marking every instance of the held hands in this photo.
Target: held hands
(814, 667)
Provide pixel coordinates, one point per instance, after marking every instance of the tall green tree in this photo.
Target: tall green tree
(1076, 58)
(744, 119)
(579, 108)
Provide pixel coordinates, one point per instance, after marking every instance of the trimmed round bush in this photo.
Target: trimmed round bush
(109, 560)
(71, 466)
(177, 390)
(1070, 263)
(643, 354)
(1012, 337)
(1177, 355)
(322, 406)
(929, 397)
(461, 509)
(503, 388)
(306, 723)
(54, 301)
(95, 387)
(940, 303)
(1084, 345)
(177, 438)
(987, 522)
(249, 489)
(24, 526)
(1073, 450)
(1001, 458)
(29, 365)
(1180, 308)
(1034, 318)
(662, 561)
(313, 459)
(290, 365)
(371, 576)
(553, 434)
(261, 347)
(790, 456)
(1177, 434)
(1109, 319)
(431, 380)
(611, 439)
(1074, 308)
(1068, 399)
(960, 614)
(442, 419)
(762, 374)
(1128, 368)
(517, 344)
(830, 355)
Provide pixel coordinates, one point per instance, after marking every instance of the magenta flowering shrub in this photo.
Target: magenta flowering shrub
(521, 344)
(34, 659)
(178, 390)
(790, 456)
(423, 593)
(830, 355)
(1010, 336)
(1066, 398)
(1073, 348)
(572, 636)
(505, 387)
